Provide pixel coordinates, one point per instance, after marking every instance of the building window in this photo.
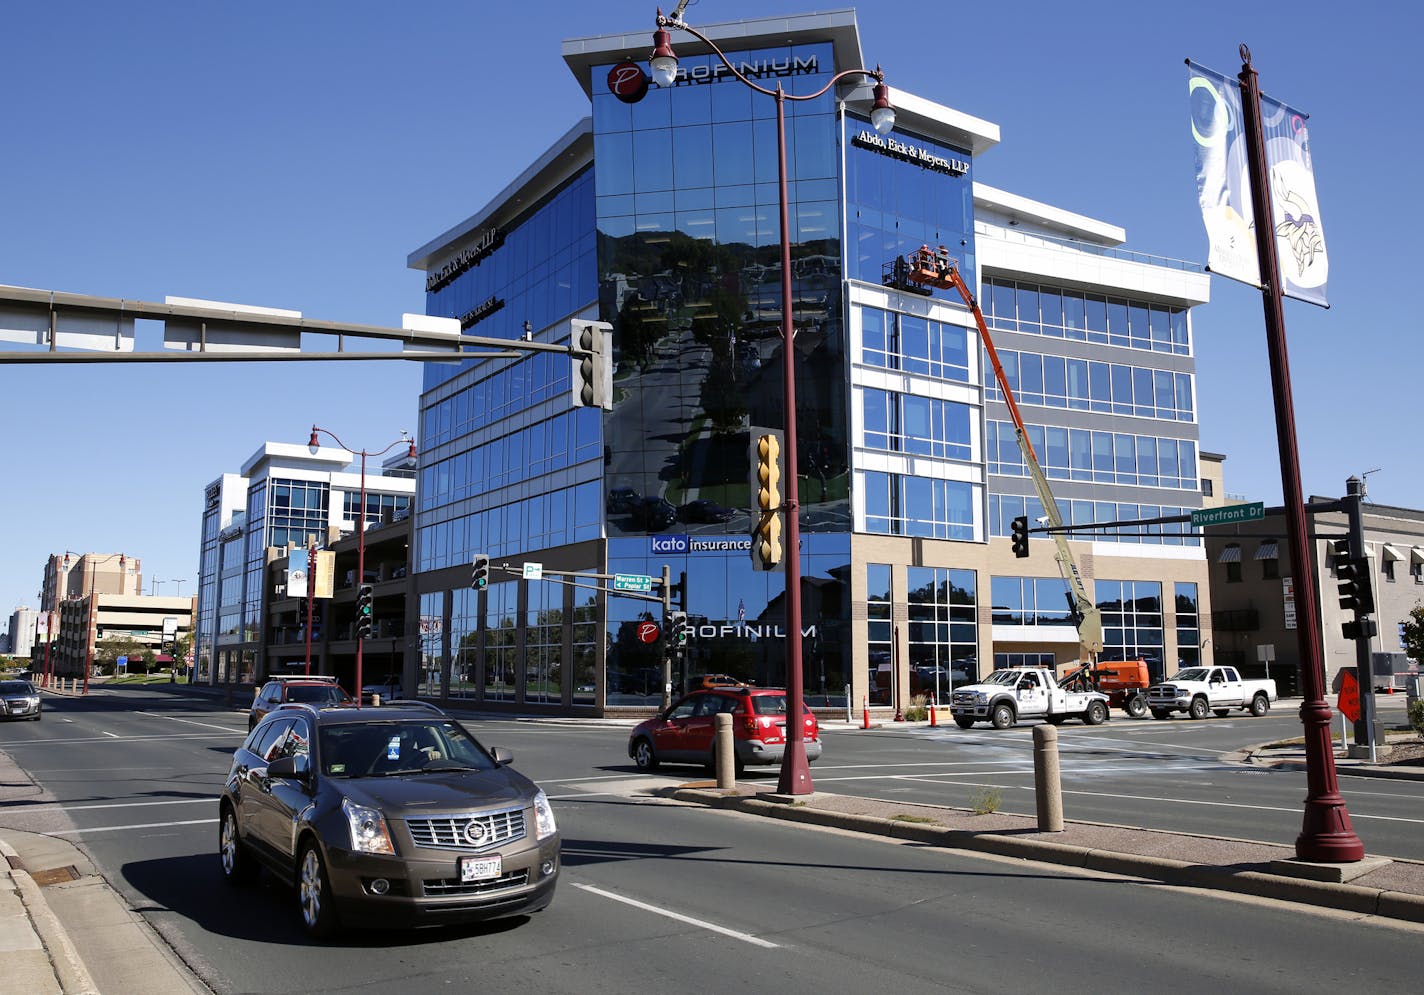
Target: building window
(1388, 568)
(1207, 488)
(1416, 570)
(1188, 628)
(1132, 621)
(942, 628)
(1270, 569)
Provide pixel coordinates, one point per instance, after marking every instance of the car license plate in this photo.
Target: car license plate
(480, 868)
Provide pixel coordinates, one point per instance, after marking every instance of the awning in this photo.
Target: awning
(1416, 555)
(1231, 554)
(1390, 553)
(1267, 551)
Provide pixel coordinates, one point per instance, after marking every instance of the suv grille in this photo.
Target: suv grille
(478, 831)
(454, 886)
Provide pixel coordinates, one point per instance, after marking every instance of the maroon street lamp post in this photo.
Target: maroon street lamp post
(795, 776)
(314, 444)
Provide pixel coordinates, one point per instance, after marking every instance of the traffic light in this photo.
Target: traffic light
(479, 572)
(301, 611)
(766, 542)
(1353, 575)
(1360, 628)
(592, 364)
(364, 608)
(1020, 536)
(677, 628)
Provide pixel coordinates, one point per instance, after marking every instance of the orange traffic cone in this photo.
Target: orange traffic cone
(933, 721)
(865, 705)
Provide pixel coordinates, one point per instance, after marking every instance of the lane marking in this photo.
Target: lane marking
(205, 725)
(113, 734)
(58, 741)
(61, 807)
(700, 923)
(125, 829)
(1260, 808)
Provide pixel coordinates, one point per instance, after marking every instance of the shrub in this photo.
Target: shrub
(1416, 715)
(919, 709)
(986, 801)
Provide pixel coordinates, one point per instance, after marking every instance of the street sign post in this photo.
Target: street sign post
(1229, 515)
(634, 583)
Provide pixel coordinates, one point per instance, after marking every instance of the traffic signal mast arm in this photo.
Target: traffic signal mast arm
(1086, 615)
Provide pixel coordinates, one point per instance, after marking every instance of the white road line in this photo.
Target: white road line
(700, 923)
(119, 829)
(57, 741)
(579, 794)
(113, 734)
(80, 808)
(205, 725)
(1258, 808)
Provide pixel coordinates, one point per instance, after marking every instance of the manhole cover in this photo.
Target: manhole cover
(56, 875)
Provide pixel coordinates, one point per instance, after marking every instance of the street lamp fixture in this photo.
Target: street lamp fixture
(795, 778)
(314, 444)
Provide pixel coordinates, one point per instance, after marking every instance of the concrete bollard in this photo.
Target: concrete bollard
(376, 700)
(1047, 786)
(726, 753)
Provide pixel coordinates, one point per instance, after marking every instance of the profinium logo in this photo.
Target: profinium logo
(628, 82)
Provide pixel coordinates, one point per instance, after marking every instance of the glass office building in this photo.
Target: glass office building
(659, 214)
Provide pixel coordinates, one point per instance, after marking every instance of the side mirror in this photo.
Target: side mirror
(502, 756)
(290, 768)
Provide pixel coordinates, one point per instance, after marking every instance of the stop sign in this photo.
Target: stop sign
(647, 632)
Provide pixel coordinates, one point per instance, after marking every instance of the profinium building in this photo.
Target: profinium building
(659, 214)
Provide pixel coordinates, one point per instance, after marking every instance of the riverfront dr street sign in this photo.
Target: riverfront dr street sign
(1229, 515)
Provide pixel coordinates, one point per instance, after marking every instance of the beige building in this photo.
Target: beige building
(84, 623)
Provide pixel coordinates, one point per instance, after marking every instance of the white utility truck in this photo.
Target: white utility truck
(1006, 696)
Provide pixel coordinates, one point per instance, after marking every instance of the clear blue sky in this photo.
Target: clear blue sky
(292, 155)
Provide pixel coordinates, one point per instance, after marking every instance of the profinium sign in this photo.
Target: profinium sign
(917, 154)
(471, 255)
(753, 69)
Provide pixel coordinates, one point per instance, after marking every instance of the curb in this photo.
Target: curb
(1254, 755)
(69, 970)
(1346, 897)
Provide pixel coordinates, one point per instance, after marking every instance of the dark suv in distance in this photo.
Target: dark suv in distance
(390, 816)
(279, 691)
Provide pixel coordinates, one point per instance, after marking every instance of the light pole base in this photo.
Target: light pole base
(795, 771)
(1326, 835)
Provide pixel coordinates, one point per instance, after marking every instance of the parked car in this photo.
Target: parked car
(705, 510)
(20, 700)
(686, 732)
(386, 817)
(388, 687)
(281, 690)
(653, 514)
(621, 499)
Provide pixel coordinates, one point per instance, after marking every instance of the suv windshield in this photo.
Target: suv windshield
(16, 687)
(315, 692)
(394, 747)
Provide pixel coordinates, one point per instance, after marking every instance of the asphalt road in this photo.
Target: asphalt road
(656, 895)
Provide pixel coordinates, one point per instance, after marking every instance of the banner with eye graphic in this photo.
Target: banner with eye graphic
(1224, 187)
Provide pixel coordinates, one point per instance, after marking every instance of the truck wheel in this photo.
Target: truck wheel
(962, 722)
(1002, 717)
(1222, 713)
(1160, 713)
(1260, 705)
(1198, 708)
(1095, 714)
(1136, 706)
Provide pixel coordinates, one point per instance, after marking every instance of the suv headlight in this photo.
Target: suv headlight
(544, 826)
(368, 828)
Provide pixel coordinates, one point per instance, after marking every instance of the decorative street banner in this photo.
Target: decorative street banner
(1224, 187)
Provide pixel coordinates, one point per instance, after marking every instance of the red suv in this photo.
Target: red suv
(279, 691)
(685, 732)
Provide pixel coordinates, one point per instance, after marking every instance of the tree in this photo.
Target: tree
(1414, 634)
(108, 650)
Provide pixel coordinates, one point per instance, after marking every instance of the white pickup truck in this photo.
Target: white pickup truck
(1198, 690)
(1005, 696)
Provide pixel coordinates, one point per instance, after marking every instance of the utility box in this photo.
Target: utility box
(1413, 688)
